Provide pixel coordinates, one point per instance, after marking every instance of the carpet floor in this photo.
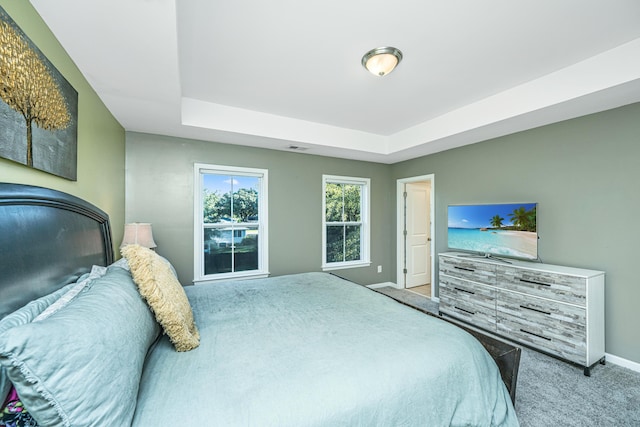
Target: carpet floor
(551, 392)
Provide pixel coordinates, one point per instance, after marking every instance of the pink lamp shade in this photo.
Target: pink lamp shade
(138, 233)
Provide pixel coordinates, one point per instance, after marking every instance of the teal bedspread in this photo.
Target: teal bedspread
(316, 350)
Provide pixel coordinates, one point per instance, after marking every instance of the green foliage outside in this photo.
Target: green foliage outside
(239, 207)
(343, 205)
(217, 207)
(343, 202)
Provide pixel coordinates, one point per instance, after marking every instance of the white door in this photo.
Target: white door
(418, 232)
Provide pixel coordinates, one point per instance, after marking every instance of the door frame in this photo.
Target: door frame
(400, 248)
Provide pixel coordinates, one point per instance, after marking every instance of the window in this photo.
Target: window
(230, 222)
(345, 222)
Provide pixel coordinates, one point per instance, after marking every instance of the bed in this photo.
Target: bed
(80, 346)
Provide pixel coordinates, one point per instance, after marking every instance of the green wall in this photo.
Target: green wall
(101, 139)
(159, 181)
(584, 174)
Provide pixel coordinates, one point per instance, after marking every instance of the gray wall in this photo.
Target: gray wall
(159, 189)
(584, 174)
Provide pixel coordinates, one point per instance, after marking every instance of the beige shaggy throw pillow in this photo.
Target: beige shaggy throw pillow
(164, 295)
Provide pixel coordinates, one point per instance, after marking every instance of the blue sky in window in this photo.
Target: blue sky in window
(224, 183)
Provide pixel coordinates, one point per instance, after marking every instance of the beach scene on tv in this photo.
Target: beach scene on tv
(498, 229)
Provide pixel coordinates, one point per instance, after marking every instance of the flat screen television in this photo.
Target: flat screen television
(499, 230)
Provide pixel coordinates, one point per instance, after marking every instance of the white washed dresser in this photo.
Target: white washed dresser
(557, 310)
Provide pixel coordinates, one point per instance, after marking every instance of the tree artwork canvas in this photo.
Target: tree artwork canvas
(39, 108)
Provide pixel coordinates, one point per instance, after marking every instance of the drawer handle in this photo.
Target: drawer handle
(462, 309)
(537, 335)
(534, 282)
(464, 290)
(465, 269)
(548, 313)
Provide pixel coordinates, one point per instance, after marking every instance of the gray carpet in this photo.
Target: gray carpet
(551, 392)
(554, 393)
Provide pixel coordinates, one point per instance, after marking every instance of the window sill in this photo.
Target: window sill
(230, 277)
(345, 265)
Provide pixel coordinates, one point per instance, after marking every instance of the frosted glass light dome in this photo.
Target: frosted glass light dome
(382, 60)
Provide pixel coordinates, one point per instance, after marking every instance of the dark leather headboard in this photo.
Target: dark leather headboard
(47, 239)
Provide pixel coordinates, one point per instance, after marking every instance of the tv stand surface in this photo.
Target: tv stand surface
(557, 310)
(485, 256)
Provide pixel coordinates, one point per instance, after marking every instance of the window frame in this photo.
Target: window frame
(365, 232)
(201, 169)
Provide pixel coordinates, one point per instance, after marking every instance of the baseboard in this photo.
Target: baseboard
(634, 366)
(383, 285)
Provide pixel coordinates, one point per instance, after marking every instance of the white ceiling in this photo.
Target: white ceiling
(287, 72)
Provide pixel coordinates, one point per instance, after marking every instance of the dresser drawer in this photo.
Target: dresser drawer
(468, 301)
(468, 269)
(559, 287)
(548, 314)
(552, 308)
(562, 340)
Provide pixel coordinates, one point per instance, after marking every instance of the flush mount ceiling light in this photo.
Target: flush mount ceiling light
(382, 60)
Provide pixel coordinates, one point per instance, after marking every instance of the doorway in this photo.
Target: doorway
(415, 225)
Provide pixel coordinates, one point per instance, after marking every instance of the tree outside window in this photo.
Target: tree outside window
(232, 223)
(345, 224)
